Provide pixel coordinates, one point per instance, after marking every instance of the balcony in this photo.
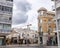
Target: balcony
(59, 27)
(4, 31)
(57, 17)
(5, 21)
(53, 8)
(58, 4)
(53, 0)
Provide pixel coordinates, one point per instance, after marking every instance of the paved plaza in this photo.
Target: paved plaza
(27, 46)
(21, 46)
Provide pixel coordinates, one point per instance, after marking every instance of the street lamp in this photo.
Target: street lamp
(28, 26)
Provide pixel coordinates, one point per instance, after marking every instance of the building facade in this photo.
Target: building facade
(57, 19)
(45, 24)
(25, 35)
(6, 7)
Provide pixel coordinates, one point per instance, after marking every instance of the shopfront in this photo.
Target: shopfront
(2, 40)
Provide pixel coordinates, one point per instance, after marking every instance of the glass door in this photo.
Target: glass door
(0, 41)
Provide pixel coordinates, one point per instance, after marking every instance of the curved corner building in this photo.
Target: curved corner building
(45, 24)
(6, 7)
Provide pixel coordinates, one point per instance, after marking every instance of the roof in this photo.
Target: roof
(42, 9)
(50, 12)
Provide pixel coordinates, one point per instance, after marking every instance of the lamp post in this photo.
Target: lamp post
(28, 26)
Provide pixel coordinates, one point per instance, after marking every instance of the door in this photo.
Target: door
(0, 41)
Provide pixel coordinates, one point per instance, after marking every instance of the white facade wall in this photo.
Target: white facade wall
(57, 15)
(6, 7)
(24, 33)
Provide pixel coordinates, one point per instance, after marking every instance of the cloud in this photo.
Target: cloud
(20, 10)
(23, 6)
(19, 18)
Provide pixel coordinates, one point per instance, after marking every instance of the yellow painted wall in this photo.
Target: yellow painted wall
(45, 21)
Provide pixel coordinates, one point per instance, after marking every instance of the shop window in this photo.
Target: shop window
(41, 40)
(52, 40)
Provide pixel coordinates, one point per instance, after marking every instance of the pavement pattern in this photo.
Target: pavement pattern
(27, 46)
(20, 46)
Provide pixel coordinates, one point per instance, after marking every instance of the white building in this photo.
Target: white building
(6, 7)
(32, 35)
(57, 19)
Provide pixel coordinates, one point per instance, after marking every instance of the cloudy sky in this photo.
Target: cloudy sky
(25, 12)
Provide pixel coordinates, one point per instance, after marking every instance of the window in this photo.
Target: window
(41, 12)
(58, 21)
(10, 0)
(36, 36)
(50, 30)
(55, 28)
(6, 27)
(40, 29)
(55, 21)
(5, 8)
(49, 26)
(49, 19)
(23, 34)
(41, 40)
(10, 9)
(1, 26)
(0, 7)
(27, 34)
(40, 20)
(10, 18)
(32, 35)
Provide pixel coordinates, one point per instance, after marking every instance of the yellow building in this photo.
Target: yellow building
(45, 23)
